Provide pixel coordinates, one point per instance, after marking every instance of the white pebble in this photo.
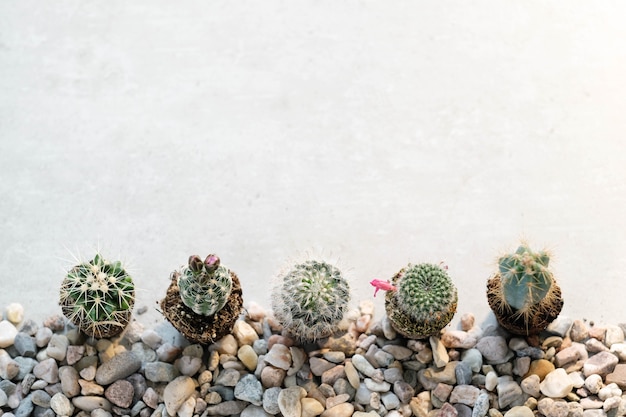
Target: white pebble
(15, 313)
(7, 333)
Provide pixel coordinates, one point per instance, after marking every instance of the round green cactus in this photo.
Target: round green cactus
(423, 300)
(524, 295)
(311, 300)
(205, 286)
(98, 296)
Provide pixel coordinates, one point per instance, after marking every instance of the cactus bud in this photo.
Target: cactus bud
(195, 264)
(211, 263)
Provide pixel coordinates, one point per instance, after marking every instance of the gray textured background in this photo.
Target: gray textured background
(371, 133)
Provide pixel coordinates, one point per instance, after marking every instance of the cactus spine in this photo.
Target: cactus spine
(423, 302)
(524, 295)
(98, 296)
(205, 286)
(311, 300)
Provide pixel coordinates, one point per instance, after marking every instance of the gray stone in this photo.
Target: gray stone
(189, 365)
(473, 359)
(25, 408)
(560, 326)
(144, 352)
(41, 398)
(404, 391)
(47, 370)
(42, 337)
(494, 349)
(57, 347)
(254, 410)
(481, 405)
(160, 371)
(463, 374)
(228, 378)
(26, 366)
(118, 367)
(508, 393)
(226, 408)
(390, 400)
(270, 400)
(25, 345)
(249, 389)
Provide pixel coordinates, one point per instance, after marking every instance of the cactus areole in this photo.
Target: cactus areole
(422, 302)
(98, 296)
(524, 295)
(204, 300)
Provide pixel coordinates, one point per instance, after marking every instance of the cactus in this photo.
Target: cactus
(205, 286)
(524, 295)
(204, 300)
(98, 296)
(422, 300)
(311, 300)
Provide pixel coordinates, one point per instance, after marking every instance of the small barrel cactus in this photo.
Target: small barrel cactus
(420, 300)
(98, 296)
(311, 299)
(204, 300)
(205, 286)
(523, 294)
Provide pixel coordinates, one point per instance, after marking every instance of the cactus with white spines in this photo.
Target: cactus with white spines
(311, 299)
(98, 296)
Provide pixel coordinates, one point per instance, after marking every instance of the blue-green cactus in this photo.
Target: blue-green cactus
(524, 295)
(311, 299)
(526, 279)
(205, 286)
(98, 296)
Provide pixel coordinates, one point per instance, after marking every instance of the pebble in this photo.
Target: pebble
(15, 313)
(176, 392)
(279, 356)
(341, 410)
(249, 389)
(61, 405)
(69, 381)
(89, 403)
(7, 333)
(160, 371)
(311, 407)
(120, 393)
(493, 348)
(556, 384)
(47, 370)
(601, 363)
(244, 333)
(440, 353)
(119, 366)
(57, 347)
(289, 401)
(531, 385)
(189, 365)
(270, 400)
